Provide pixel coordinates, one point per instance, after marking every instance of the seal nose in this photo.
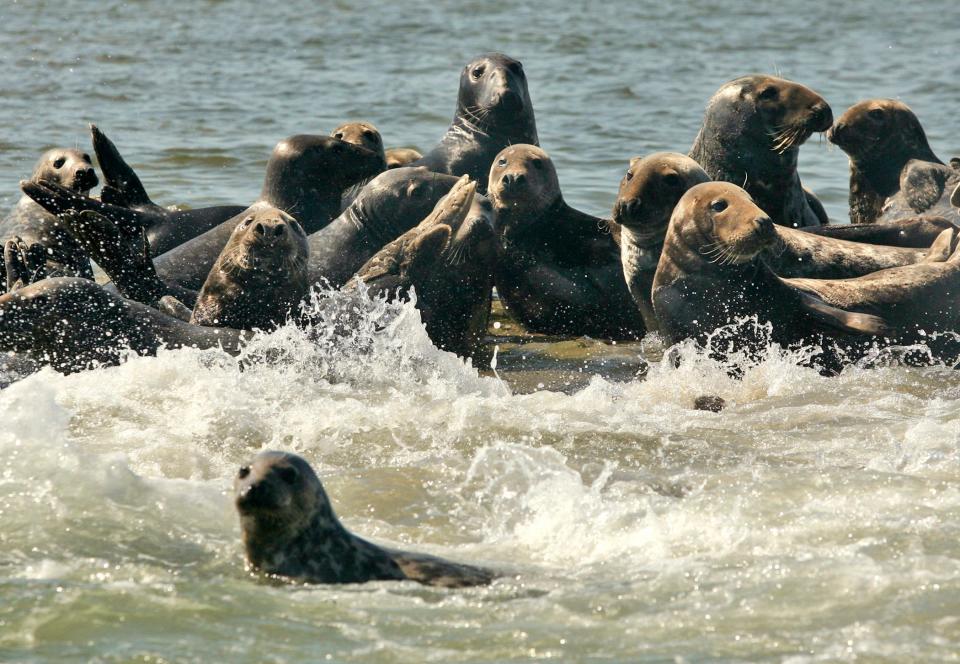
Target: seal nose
(628, 209)
(764, 224)
(509, 100)
(513, 181)
(85, 178)
(836, 132)
(821, 116)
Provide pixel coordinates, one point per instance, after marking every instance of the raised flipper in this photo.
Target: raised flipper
(121, 185)
(173, 307)
(840, 319)
(923, 182)
(433, 571)
(24, 264)
(122, 251)
(941, 249)
(59, 200)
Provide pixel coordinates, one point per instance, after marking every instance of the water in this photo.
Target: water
(815, 519)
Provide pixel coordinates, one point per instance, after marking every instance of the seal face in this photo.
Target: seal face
(493, 111)
(649, 191)
(558, 269)
(260, 276)
(363, 134)
(33, 225)
(751, 136)
(289, 530)
(448, 259)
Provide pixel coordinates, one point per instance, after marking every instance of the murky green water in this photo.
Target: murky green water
(814, 519)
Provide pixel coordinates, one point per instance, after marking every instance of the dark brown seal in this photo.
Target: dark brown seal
(448, 261)
(32, 224)
(291, 531)
(751, 136)
(881, 137)
(363, 134)
(259, 278)
(558, 269)
(73, 324)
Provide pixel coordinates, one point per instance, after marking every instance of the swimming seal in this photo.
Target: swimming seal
(493, 111)
(399, 157)
(290, 531)
(259, 278)
(391, 204)
(558, 269)
(751, 136)
(710, 276)
(448, 258)
(649, 190)
(893, 171)
(166, 228)
(31, 224)
(72, 323)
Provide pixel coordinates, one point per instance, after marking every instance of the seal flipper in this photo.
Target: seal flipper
(841, 319)
(121, 185)
(58, 200)
(955, 197)
(432, 571)
(923, 182)
(173, 307)
(941, 248)
(24, 265)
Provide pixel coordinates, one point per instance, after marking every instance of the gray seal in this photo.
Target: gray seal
(290, 531)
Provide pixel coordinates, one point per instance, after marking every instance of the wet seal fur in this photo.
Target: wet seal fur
(259, 278)
(493, 111)
(751, 136)
(290, 531)
(710, 276)
(558, 269)
(31, 224)
(894, 174)
(72, 323)
(448, 261)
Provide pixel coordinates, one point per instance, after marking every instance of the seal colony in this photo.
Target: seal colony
(696, 245)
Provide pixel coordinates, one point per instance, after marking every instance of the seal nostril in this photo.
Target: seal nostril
(280, 229)
(259, 229)
(520, 178)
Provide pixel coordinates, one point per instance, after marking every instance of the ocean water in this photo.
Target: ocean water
(815, 519)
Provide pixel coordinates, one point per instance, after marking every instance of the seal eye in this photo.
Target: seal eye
(769, 93)
(414, 191)
(86, 158)
(60, 161)
(244, 472)
(628, 176)
(718, 205)
(338, 136)
(516, 67)
(875, 114)
(538, 164)
(288, 474)
(372, 136)
(247, 221)
(477, 72)
(501, 163)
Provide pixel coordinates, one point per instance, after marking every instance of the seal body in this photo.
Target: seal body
(493, 111)
(448, 261)
(710, 277)
(390, 205)
(306, 177)
(34, 225)
(289, 530)
(558, 270)
(650, 189)
(260, 276)
(889, 155)
(366, 136)
(73, 323)
(751, 136)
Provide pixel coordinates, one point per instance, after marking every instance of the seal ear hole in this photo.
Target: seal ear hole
(875, 114)
(59, 162)
(288, 474)
(244, 472)
(768, 93)
(718, 205)
(478, 71)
